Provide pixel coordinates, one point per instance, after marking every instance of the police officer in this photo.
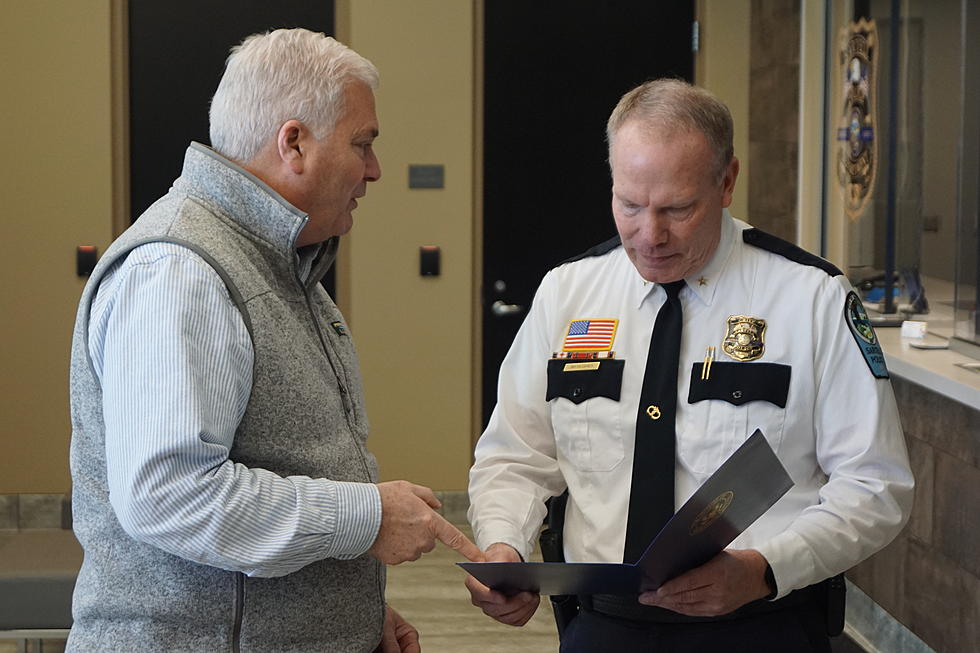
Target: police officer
(689, 331)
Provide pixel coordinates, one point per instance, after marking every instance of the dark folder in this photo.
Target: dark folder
(739, 492)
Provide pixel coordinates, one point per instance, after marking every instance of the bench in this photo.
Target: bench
(37, 577)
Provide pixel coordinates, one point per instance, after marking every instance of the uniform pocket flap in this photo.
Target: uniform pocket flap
(578, 380)
(740, 383)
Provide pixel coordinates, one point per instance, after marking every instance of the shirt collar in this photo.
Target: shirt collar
(704, 282)
(315, 260)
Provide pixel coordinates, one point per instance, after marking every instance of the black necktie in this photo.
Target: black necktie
(652, 491)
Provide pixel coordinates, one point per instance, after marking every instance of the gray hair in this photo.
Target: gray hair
(282, 75)
(673, 105)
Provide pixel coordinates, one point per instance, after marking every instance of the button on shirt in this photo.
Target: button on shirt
(838, 436)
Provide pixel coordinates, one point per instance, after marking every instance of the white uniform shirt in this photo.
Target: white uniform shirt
(838, 436)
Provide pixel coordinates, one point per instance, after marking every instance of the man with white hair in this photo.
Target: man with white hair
(222, 488)
(645, 362)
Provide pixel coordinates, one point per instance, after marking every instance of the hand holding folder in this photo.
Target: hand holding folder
(738, 493)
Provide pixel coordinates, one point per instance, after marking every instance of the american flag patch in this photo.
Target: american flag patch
(590, 335)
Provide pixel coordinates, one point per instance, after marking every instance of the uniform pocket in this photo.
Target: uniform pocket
(740, 383)
(585, 411)
(724, 409)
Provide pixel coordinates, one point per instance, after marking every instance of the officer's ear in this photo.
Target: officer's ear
(728, 182)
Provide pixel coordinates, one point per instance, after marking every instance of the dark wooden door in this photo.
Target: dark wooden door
(177, 52)
(553, 73)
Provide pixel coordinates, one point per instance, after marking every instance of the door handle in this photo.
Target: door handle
(500, 309)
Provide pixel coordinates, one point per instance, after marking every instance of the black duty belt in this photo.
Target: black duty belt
(627, 607)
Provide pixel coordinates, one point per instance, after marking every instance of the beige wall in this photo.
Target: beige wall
(838, 240)
(55, 181)
(941, 132)
(414, 335)
(809, 202)
(417, 337)
(722, 67)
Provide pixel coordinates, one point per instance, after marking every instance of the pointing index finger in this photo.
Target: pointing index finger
(454, 539)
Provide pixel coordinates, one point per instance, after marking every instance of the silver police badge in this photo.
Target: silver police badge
(746, 338)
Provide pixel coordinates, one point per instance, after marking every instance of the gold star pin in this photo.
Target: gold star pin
(702, 281)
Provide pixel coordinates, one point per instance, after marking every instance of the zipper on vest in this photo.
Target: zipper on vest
(344, 395)
(236, 630)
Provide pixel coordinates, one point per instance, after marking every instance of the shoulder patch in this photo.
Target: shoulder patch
(787, 250)
(864, 335)
(597, 250)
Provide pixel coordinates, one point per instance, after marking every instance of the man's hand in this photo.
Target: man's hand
(723, 584)
(511, 610)
(410, 526)
(398, 635)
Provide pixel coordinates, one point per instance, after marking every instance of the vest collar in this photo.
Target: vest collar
(253, 205)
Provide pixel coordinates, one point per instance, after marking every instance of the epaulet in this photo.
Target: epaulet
(596, 250)
(788, 250)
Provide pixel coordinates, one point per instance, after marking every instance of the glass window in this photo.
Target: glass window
(967, 297)
(902, 173)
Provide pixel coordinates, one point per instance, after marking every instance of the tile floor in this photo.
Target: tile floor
(430, 594)
(52, 646)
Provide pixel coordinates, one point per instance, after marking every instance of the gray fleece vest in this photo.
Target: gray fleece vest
(305, 416)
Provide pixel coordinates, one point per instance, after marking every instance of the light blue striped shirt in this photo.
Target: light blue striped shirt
(174, 358)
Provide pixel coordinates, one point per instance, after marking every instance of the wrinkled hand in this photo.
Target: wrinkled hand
(398, 635)
(723, 584)
(511, 610)
(410, 526)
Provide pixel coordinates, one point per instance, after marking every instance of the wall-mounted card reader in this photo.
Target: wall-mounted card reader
(86, 256)
(429, 260)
